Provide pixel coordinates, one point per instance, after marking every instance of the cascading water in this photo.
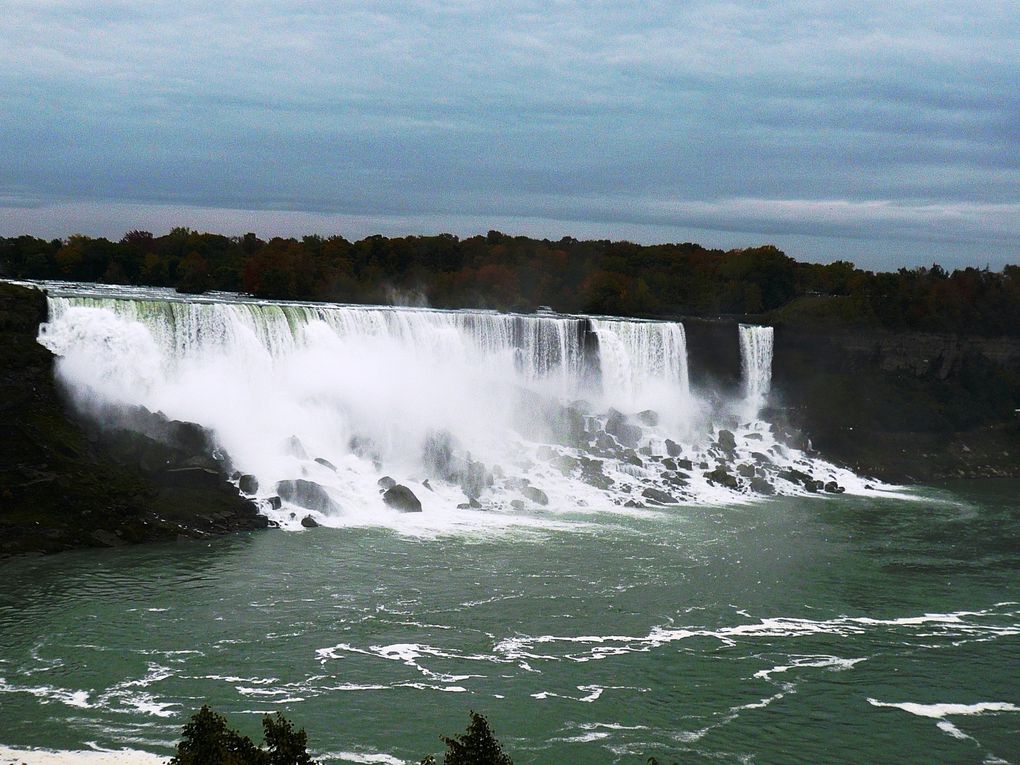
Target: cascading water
(511, 413)
(756, 363)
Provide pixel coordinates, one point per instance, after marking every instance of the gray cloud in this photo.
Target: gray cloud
(875, 130)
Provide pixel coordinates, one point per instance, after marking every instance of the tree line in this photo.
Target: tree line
(499, 271)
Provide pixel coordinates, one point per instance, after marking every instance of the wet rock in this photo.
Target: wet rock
(427, 485)
(761, 459)
(659, 496)
(753, 436)
(365, 448)
(475, 479)
(591, 473)
(307, 494)
(516, 504)
(649, 417)
(474, 504)
(309, 522)
(275, 503)
(386, 483)
(834, 488)
(633, 503)
(684, 465)
(631, 458)
(517, 483)
(438, 455)
(669, 463)
(673, 448)
(248, 484)
(727, 442)
(723, 477)
(798, 477)
(402, 499)
(535, 495)
(619, 428)
(746, 470)
(565, 464)
(326, 463)
(761, 486)
(295, 448)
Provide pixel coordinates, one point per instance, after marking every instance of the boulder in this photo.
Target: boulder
(658, 496)
(295, 448)
(275, 503)
(516, 504)
(535, 495)
(624, 432)
(761, 486)
(386, 483)
(326, 463)
(309, 522)
(722, 477)
(307, 494)
(727, 442)
(402, 499)
(248, 484)
(673, 448)
(834, 488)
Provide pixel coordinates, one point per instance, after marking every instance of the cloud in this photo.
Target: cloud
(889, 122)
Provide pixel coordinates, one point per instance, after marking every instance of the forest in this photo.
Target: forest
(518, 273)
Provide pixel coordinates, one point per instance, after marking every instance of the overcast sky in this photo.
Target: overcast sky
(886, 132)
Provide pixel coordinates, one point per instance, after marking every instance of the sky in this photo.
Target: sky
(886, 133)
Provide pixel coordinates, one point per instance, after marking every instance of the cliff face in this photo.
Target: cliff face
(66, 484)
(905, 406)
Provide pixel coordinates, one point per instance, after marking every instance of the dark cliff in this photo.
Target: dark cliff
(65, 483)
(901, 406)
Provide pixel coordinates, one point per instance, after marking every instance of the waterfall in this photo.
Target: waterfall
(756, 364)
(507, 411)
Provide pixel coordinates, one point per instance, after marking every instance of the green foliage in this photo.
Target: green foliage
(206, 740)
(476, 746)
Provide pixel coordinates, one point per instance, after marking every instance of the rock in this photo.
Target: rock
(438, 455)
(474, 504)
(516, 504)
(619, 428)
(753, 436)
(309, 522)
(107, 539)
(834, 488)
(684, 465)
(515, 482)
(633, 503)
(275, 503)
(295, 448)
(669, 463)
(761, 486)
(326, 463)
(631, 458)
(427, 485)
(535, 495)
(673, 448)
(746, 470)
(475, 478)
(386, 483)
(307, 494)
(726, 440)
(649, 417)
(658, 496)
(248, 484)
(722, 477)
(402, 499)
(565, 464)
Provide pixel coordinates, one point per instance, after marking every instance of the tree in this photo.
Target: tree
(206, 740)
(477, 746)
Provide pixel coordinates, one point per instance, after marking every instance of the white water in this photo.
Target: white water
(756, 364)
(368, 389)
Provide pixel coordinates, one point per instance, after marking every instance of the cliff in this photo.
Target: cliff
(65, 483)
(901, 406)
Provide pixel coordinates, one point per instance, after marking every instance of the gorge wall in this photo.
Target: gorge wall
(65, 483)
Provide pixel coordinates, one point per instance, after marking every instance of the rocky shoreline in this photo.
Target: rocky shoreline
(68, 483)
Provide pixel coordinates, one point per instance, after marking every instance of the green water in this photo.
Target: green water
(770, 632)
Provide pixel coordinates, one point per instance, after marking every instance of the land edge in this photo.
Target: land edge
(69, 481)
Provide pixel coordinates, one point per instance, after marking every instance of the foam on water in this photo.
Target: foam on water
(592, 412)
